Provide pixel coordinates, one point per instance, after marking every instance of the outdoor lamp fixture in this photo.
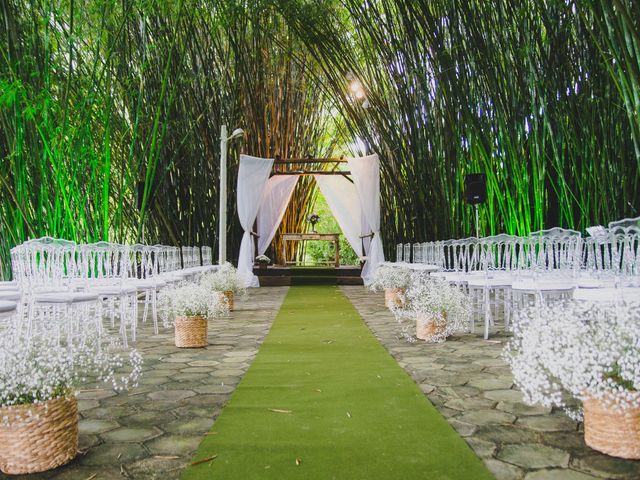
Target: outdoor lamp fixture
(222, 234)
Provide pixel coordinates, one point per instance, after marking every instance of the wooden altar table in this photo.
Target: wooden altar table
(329, 237)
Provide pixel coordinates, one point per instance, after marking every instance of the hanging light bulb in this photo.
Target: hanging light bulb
(357, 90)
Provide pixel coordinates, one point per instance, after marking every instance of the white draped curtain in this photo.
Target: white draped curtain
(253, 175)
(365, 172)
(274, 203)
(342, 198)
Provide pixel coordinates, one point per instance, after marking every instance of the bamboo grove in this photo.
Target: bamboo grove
(98, 97)
(541, 95)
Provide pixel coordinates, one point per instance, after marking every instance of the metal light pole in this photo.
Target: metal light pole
(222, 214)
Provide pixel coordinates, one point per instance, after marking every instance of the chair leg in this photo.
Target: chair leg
(146, 306)
(133, 306)
(123, 321)
(154, 310)
(487, 312)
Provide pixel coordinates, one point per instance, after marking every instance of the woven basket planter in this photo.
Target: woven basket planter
(227, 297)
(611, 431)
(191, 332)
(394, 297)
(428, 329)
(47, 441)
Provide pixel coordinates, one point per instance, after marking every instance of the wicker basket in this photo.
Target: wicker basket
(48, 440)
(610, 431)
(191, 332)
(227, 297)
(428, 329)
(393, 297)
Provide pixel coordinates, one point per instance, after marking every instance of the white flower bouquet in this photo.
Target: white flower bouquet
(263, 260)
(387, 276)
(192, 300)
(583, 352)
(577, 349)
(38, 369)
(38, 407)
(225, 279)
(437, 308)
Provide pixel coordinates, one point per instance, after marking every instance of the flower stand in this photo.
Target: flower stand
(612, 431)
(46, 439)
(228, 297)
(393, 297)
(191, 332)
(430, 330)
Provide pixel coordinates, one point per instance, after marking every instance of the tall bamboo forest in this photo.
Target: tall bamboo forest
(99, 98)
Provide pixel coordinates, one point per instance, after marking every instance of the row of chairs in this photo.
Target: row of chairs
(506, 272)
(61, 283)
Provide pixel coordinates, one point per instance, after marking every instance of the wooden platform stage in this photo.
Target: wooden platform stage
(276, 276)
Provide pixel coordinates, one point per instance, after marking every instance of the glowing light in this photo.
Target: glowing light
(357, 90)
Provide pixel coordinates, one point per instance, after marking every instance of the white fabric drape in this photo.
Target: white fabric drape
(342, 198)
(253, 175)
(274, 203)
(365, 172)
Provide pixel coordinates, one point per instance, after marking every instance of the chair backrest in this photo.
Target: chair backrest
(555, 249)
(624, 223)
(105, 261)
(207, 257)
(407, 252)
(626, 251)
(44, 262)
(417, 253)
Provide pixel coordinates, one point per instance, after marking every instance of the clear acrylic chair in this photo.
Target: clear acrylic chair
(554, 258)
(491, 292)
(106, 268)
(47, 267)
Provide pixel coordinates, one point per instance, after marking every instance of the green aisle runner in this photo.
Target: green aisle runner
(324, 400)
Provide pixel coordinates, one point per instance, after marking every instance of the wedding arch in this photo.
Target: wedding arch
(353, 197)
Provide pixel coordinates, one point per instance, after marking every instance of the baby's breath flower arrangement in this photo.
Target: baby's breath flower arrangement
(225, 279)
(191, 306)
(263, 260)
(192, 300)
(38, 369)
(387, 276)
(435, 308)
(580, 350)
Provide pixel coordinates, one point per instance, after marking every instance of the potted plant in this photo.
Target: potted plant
(394, 281)
(226, 282)
(263, 261)
(191, 306)
(437, 308)
(38, 407)
(572, 352)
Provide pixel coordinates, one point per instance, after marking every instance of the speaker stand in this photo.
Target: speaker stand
(475, 207)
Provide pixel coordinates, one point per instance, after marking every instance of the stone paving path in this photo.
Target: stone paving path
(152, 431)
(472, 387)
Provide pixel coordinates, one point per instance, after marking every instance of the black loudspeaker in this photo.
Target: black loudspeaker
(475, 188)
(140, 195)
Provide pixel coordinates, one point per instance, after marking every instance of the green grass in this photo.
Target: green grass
(354, 413)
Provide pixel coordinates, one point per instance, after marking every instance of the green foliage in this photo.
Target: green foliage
(96, 96)
(541, 96)
(321, 251)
